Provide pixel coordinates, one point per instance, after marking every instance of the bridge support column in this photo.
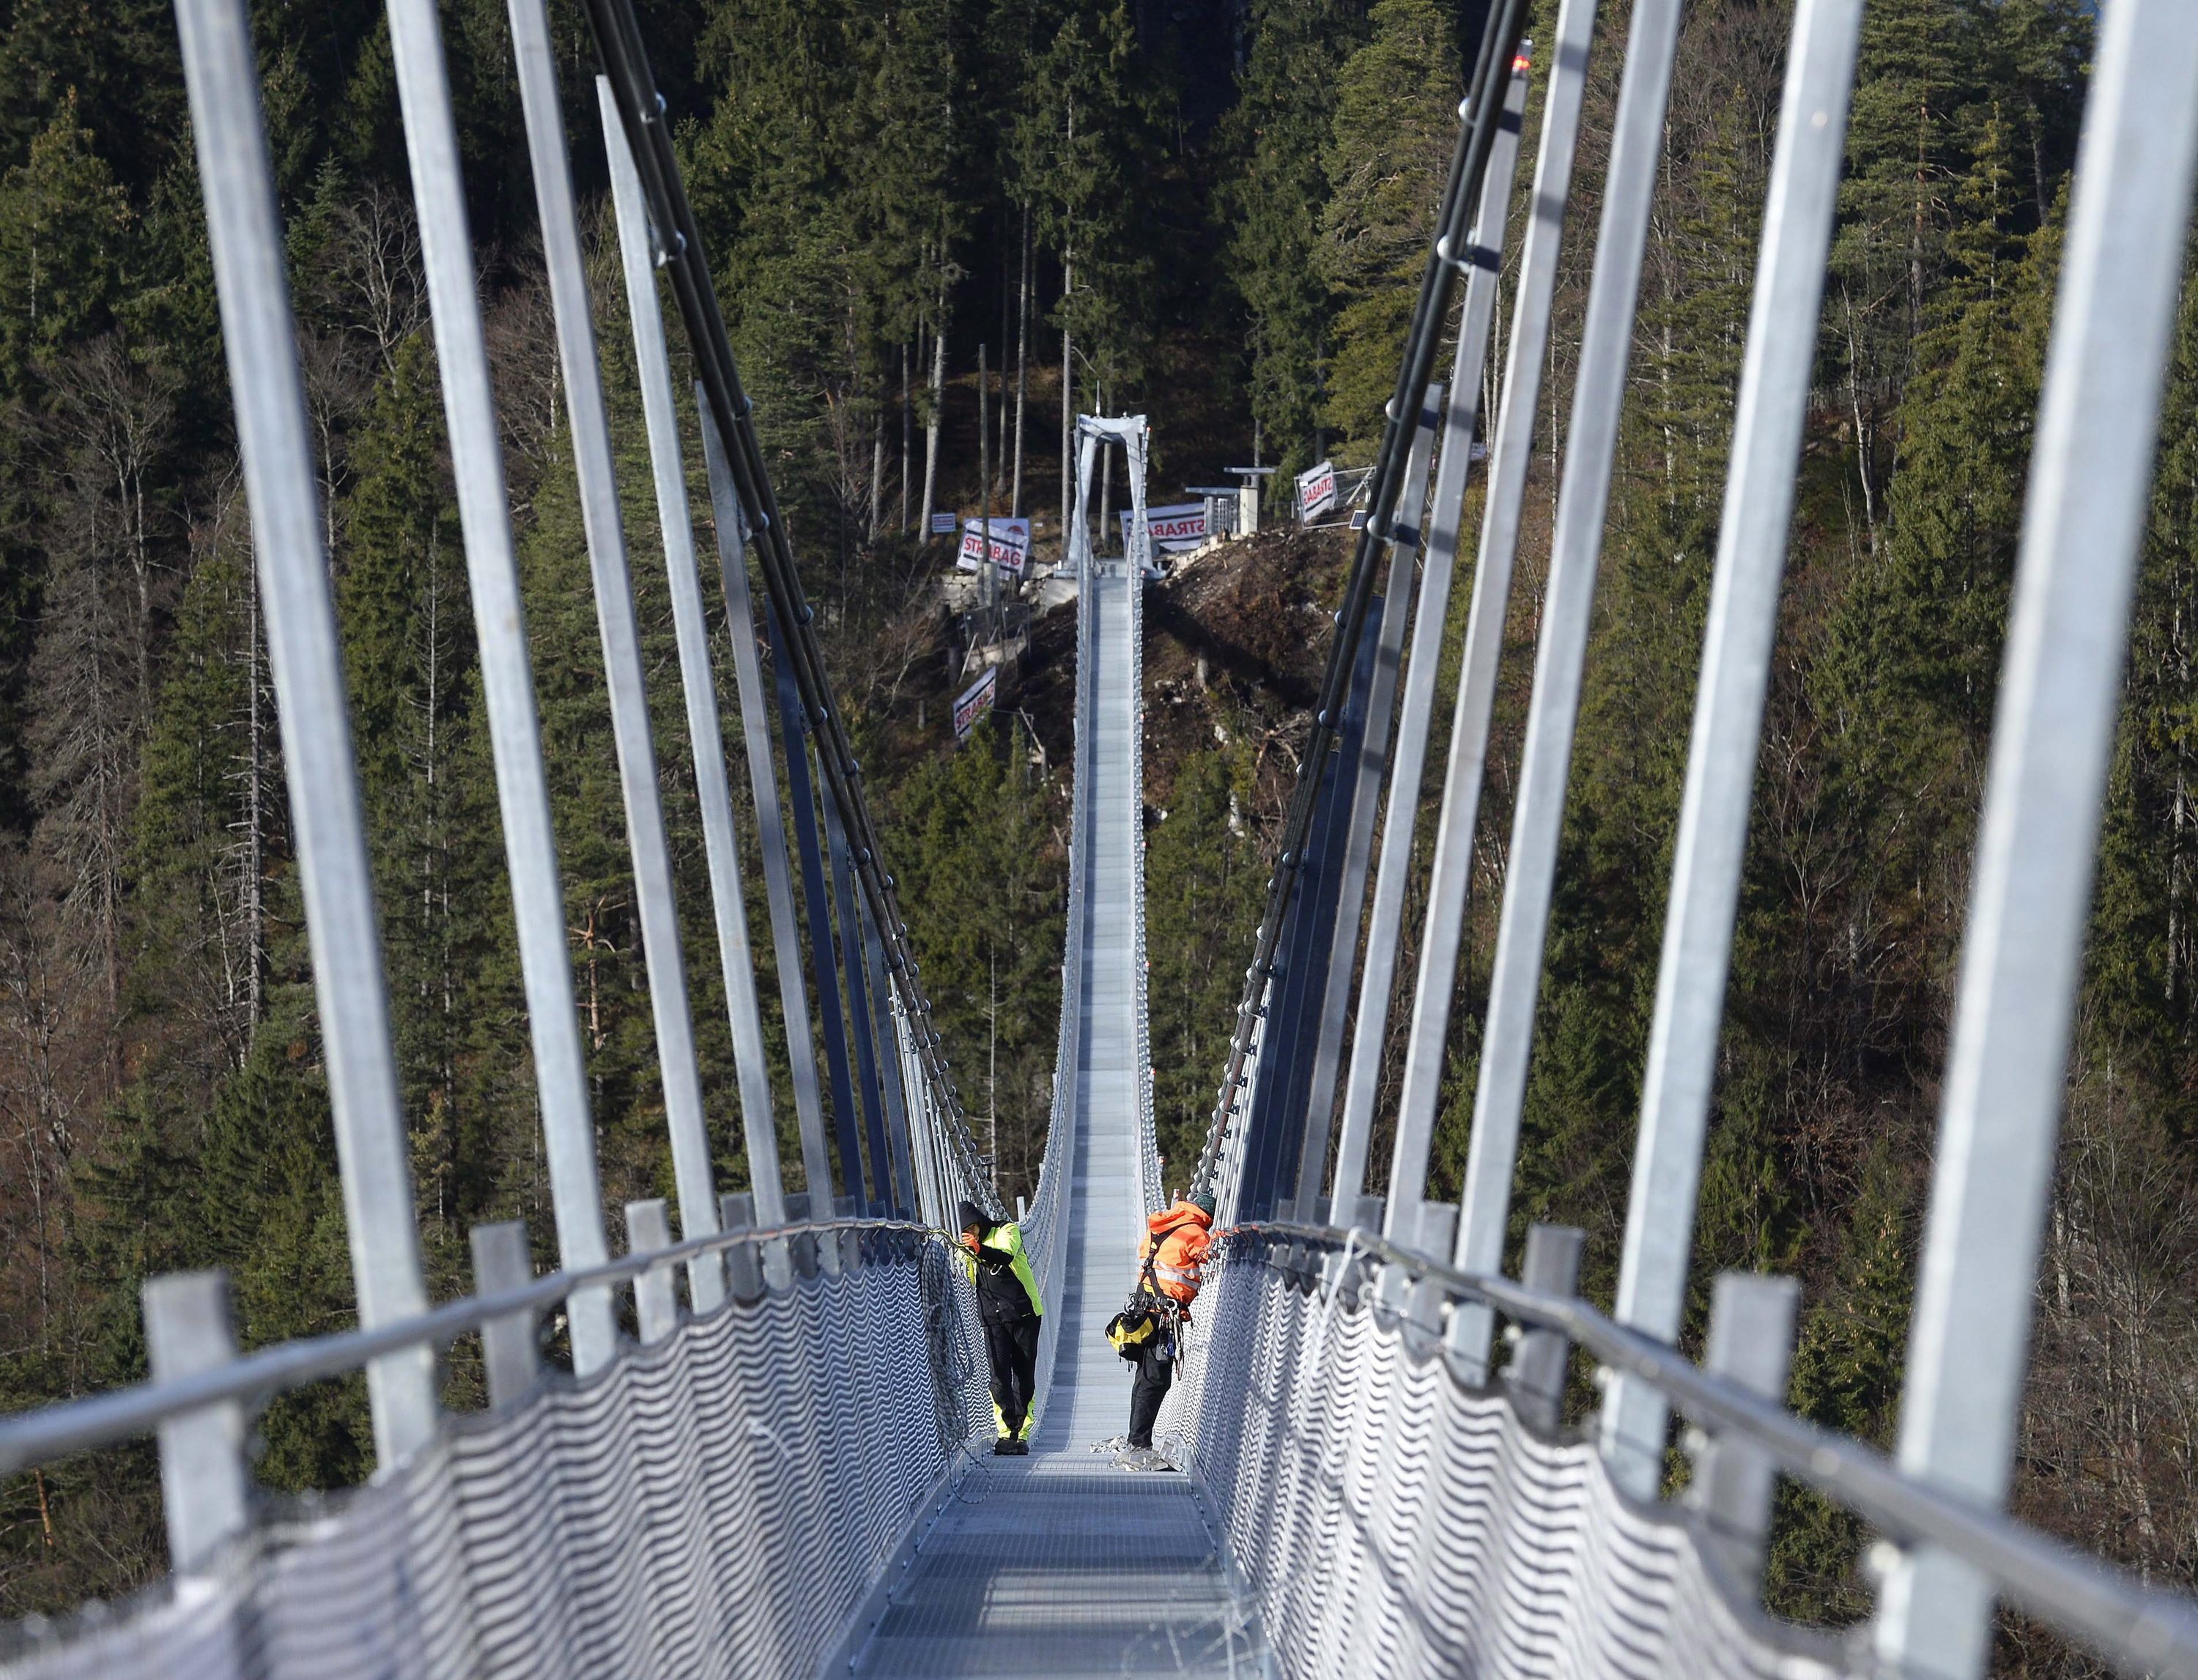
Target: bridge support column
(697, 681)
(656, 1301)
(1278, 1118)
(744, 1268)
(1445, 513)
(801, 795)
(1360, 763)
(685, 1117)
(1560, 663)
(899, 1180)
(770, 823)
(878, 1197)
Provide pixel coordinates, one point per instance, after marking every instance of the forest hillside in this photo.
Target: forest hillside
(1209, 211)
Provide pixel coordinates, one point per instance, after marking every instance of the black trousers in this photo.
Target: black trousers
(1011, 1345)
(1155, 1375)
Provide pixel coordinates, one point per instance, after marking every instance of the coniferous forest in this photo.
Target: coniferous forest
(1210, 211)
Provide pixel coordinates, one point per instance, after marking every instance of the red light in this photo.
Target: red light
(1520, 65)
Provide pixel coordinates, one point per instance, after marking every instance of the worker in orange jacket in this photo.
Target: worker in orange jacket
(1169, 1264)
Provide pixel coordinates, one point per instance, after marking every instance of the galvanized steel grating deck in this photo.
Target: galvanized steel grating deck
(1051, 1567)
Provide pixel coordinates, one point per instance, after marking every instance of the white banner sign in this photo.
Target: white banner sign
(942, 525)
(1316, 490)
(976, 701)
(1176, 528)
(1011, 540)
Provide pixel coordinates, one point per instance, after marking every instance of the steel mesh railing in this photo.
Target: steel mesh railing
(1393, 1521)
(716, 1503)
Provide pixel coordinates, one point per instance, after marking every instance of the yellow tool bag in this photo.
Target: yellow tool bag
(1144, 1317)
(1133, 1329)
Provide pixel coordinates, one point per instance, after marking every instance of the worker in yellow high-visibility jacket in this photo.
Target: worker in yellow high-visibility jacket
(1008, 1304)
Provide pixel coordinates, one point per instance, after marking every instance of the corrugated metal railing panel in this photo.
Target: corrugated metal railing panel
(1393, 1521)
(717, 1504)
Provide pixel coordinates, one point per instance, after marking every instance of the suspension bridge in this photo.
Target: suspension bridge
(763, 1458)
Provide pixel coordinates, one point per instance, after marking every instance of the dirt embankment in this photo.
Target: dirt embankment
(1235, 643)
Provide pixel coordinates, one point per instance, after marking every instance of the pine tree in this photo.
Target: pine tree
(1204, 886)
(208, 821)
(1846, 1377)
(1917, 89)
(976, 852)
(1387, 156)
(271, 1210)
(65, 253)
(1910, 670)
(1084, 156)
(1278, 201)
(408, 656)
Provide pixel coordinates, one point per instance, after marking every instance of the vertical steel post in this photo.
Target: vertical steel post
(1370, 1031)
(893, 1072)
(651, 852)
(1751, 1344)
(802, 798)
(1728, 724)
(1279, 1119)
(1450, 875)
(259, 339)
(1404, 584)
(770, 823)
(919, 1160)
(933, 1182)
(1139, 449)
(706, 738)
(2022, 952)
(537, 896)
(1535, 1379)
(879, 1197)
(744, 1265)
(655, 1302)
(1598, 395)
(502, 1262)
(206, 1493)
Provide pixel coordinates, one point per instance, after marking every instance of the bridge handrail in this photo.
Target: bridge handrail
(2150, 1629)
(48, 1432)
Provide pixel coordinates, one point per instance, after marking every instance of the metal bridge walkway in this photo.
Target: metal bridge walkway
(1059, 1564)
